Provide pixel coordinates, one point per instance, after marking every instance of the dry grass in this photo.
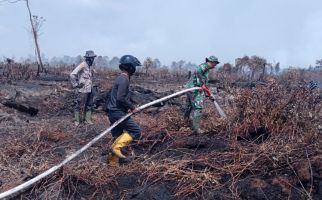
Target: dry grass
(272, 135)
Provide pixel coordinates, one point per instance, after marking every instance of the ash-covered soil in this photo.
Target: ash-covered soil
(269, 147)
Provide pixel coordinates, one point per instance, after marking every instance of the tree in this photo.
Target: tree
(242, 65)
(148, 63)
(36, 23)
(277, 68)
(254, 66)
(106, 60)
(67, 60)
(318, 64)
(173, 64)
(114, 63)
(258, 65)
(9, 61)
(227, 68)
(156, 63)
(181, 64)
(189, 66)
(100, 61)
(78, 59)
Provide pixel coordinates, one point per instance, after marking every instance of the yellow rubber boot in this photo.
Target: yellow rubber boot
(122, 141)
(113, 160)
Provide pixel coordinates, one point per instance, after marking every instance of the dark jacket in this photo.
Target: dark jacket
(120, 95)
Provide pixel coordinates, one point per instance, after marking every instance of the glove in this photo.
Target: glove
(212, 98)
(135, 110)
(81, 85)
(206, 90)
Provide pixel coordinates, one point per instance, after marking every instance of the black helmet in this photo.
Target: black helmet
(129, 63)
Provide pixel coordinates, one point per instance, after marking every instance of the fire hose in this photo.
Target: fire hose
(72, 156)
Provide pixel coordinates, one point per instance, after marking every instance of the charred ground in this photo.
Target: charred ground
(268, 148)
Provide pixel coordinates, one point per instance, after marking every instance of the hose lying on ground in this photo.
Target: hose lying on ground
(55, 168)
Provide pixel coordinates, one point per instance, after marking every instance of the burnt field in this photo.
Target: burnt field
(269, 147)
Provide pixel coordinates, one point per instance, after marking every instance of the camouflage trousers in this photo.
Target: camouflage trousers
(193, 108)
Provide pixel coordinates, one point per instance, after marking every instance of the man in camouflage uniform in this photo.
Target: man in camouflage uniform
(81, 79)
(195, 99)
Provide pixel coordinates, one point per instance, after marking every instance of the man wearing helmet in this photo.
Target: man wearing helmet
(195, 99)
(81, 79)
(118, 105)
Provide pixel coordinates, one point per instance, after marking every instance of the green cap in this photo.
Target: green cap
(212, 59)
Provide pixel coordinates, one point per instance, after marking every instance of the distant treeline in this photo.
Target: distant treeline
(100, 61)
(251, 65)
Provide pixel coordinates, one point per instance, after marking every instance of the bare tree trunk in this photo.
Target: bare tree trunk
(263, 72)
(35, 35)
(252, 75)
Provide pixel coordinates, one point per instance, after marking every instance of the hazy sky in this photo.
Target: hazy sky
(286, 31)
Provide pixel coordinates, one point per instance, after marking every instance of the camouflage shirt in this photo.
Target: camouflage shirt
(199, 77)
(82, 74)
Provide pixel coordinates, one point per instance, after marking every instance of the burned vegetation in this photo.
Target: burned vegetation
(269, 147)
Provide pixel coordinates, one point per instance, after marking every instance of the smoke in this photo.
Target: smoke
(286, 31)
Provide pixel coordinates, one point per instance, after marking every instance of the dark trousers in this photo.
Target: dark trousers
(84, 102)
(129, 124)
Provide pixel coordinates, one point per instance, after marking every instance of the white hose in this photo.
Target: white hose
(55, 168)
